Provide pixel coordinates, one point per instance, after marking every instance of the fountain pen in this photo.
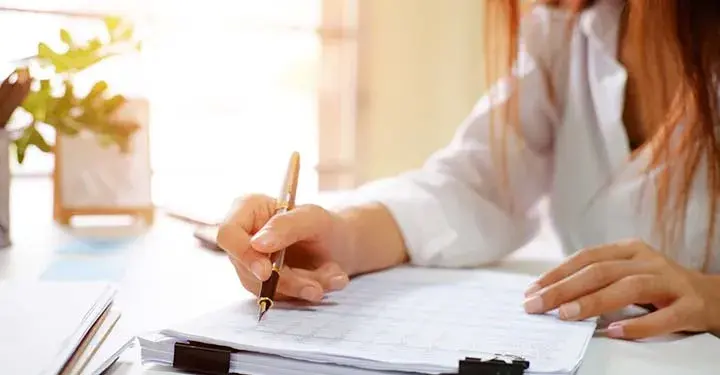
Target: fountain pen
(284, 203)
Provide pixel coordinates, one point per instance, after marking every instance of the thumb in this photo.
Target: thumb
(301, 224)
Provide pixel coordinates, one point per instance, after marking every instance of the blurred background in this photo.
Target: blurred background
(135, 109)
(363, 89)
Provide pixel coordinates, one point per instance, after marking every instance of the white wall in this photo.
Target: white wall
(420, 72)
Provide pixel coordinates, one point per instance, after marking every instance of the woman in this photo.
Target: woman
(610, 109)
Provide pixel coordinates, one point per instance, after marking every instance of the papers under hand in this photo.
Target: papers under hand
(406, 319)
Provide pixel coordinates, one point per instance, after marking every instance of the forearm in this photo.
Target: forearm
(375, 241)
(711, 284)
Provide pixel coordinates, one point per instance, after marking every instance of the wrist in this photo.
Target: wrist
(711, 288)
(345, 250)
(372, 239)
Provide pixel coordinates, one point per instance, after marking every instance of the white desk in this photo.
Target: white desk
(169, 279)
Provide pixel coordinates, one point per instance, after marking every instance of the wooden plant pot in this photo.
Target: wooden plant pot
(91, 179)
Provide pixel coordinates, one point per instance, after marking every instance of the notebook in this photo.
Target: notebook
(53, 327)
(401, 320)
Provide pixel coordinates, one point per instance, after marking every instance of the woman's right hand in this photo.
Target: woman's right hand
(314, 237)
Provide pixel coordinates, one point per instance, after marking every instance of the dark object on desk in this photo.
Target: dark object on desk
(191, 217)
(501, 365)
(202, 358)
(207, 236)
(13, 91)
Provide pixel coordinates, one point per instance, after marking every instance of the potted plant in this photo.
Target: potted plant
(41, 92)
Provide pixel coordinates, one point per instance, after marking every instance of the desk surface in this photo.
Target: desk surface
(165, 277)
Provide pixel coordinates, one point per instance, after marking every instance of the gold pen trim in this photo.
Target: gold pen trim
(284, 203)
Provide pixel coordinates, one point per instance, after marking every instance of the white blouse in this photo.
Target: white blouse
(452, 212)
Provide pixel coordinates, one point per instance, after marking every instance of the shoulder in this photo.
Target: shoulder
(546, 18)
(545, 34)
(547, 31)
(545, 47)
(549, 37)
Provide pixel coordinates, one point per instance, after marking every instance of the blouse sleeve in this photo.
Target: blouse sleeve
(455, 211)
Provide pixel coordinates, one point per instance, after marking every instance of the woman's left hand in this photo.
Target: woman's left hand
(607, 278)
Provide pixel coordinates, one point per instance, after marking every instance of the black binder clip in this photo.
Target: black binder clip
(499, 364)
(202, 358)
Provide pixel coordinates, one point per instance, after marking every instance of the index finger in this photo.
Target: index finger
(582, 259)
(248, 215)
(305, 222)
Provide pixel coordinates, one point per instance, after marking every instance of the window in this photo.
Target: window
(234, 86)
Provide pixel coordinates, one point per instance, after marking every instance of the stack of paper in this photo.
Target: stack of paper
(401, 320)
(52, 328)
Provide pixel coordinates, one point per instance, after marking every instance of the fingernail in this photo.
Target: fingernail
(263, 238)
(310, 293)
(338, 282)
(615, 330)
(569, 310)
(258, 269)
(534, 287)
(533, 305)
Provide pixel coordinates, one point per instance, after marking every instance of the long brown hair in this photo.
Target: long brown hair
(681, 34)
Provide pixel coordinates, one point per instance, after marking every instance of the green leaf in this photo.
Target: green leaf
(67, 126)
(99, 87)
(66, 38)
(119, 29)
(69, 87)
(36, 139)
(38, 102)
(60, 62)
(45, 52)
(45, 86)
(112, 22)
(76, 58)
(30, 137)
(69, 113)
(22, 143)
(94, 45)
(126, 33)
(79, 59)
(96, 92)
(68, 100)
(31, 103)
(20, 152)
(105, 140)
(112, 104)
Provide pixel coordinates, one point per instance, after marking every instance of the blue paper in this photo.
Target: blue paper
(96, 245)
(111, 269)
(91, 259)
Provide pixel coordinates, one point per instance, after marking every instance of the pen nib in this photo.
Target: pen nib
(262, 309)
